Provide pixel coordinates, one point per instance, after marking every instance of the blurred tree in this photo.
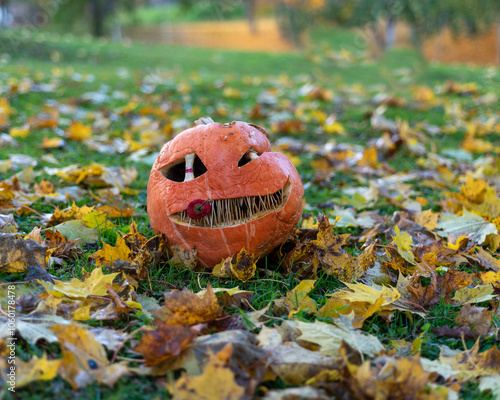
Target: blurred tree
(295, 16)
(426, 17)
(5, 17)
(96, 13)
(223, 9)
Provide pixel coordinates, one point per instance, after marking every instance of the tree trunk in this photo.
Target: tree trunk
(97, 18)
(390, 32)
(378, 39)
(4, 13)
(250, 14)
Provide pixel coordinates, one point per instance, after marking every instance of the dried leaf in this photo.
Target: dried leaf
(475, 227)
(216, 382)
(331, 336)
(297, 299)
(183, 307)
(165, 342)
(188, 259)
(404, 241)
(476, 294)
(76, 229)
(109, 254)
(92, 285)
(17, 254)
(84, 359)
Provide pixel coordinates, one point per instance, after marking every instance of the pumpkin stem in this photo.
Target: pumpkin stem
(203, 121)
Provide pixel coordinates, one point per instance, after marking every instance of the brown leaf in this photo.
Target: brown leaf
(17, 254)
(474, 363)
(183, 307)
(243, 268)
(187, 259)
(457, 332)
(476, 318)
(165, 342)
(59, 246)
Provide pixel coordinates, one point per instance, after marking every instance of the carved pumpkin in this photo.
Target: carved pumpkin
(219, 188)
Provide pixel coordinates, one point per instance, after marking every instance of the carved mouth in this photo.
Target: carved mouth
(237, 211)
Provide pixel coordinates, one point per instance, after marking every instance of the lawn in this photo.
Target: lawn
(406, 152)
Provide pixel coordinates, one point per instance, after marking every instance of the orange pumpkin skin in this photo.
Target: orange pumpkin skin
(221, 148)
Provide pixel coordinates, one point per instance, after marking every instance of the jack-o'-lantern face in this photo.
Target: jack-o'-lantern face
(253, 197)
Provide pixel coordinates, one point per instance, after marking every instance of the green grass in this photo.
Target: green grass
(40, 55)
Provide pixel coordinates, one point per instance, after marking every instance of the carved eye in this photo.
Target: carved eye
(184, 169)
(247, 157)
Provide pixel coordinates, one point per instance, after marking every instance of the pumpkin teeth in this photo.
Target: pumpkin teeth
(237, 211)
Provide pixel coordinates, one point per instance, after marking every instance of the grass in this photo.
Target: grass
(43, 56)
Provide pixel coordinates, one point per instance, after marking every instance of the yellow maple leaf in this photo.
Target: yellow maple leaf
(427, 219)
(93, 285)
(491, 277)
(52, 143)
(368, 294)
(78, 131)
(370, 158)
(216, 382)
(19, 132)
(97, 219)
(74, 212)
(473, 363)
(308, 223)
(403, 242)
(109, 254)
(297, 299)
(36, 369)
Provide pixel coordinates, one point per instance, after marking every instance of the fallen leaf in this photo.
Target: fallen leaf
(183, 307)
(165, 342)
(77, 230)
(330, 337)
(368, 294)
(472, 363)
(36, 369)
(216, 382)
(17, 254)
(36, 325)
(188, 259)
(476, 294)
(476, 318)
(292, 363)
(109, 254)
(475, 227)
(78, 131)
(92, 285)
(298, 300)
(84, 359)
(403, 242)
(243, 268)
